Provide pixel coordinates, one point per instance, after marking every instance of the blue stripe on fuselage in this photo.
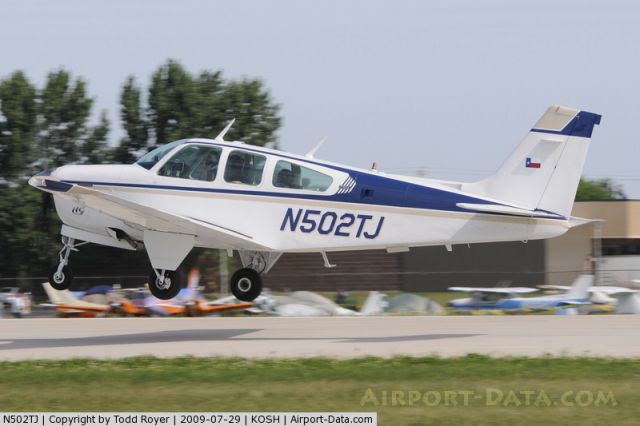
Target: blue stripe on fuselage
(384, 192)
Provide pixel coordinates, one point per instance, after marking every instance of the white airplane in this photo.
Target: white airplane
(507, 297)
(262, 203)
(490, 297)
(626, 300)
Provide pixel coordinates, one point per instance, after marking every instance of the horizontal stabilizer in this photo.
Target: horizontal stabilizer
(604, 289)
(500, 290)
(508, 210)
(573, 303)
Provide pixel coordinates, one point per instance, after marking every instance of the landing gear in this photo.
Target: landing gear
(61, 276)
(246, 284)
(164, 284)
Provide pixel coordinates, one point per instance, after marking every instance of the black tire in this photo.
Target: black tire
(165, 293)
(63, 280)
(246, 284)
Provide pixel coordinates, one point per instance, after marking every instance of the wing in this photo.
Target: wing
(612, 290)
(149, 218)
(500, 290)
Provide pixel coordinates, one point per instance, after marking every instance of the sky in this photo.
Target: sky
(442, 88)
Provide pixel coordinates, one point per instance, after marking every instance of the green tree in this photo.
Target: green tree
(256, 115)
(134, 121)
(28, 232)
(94, 148)
(173, 97)
(18, 118)
(181, 105)
(65, 109)
(210, 108)
(599, 190)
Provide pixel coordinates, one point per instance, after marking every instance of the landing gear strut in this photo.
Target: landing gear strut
(164, 284)
(61, 275)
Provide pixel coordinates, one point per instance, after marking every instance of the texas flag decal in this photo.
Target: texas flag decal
(530, 164)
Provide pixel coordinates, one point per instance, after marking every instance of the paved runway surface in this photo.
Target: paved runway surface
(596, 335)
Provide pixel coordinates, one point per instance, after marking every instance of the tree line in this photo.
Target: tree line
(49, 126)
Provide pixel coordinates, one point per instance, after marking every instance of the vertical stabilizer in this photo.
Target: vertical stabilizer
(544, 170)
(580, 287)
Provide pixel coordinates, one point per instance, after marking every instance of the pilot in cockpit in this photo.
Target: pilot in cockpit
(210, 165)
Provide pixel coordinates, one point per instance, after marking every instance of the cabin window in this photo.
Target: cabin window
(151, 158)
(294, 176)
(244, 167)
(197, 162)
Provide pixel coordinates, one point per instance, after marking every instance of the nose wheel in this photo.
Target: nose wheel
(164, 284)
(61, 276)
(246, 284)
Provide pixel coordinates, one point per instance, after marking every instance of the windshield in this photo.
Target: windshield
(151, 158)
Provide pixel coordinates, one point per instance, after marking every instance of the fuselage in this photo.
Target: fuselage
(538, 302)
(293, 203)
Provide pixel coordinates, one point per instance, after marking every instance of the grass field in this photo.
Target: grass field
(404, 391)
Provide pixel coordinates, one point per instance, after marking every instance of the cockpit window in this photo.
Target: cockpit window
(290, 175)
(198, 162)
(151, 158)
(244, 167)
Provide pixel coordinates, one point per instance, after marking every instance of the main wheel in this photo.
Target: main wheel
(62, 280)
(246, 284)
(169, 288)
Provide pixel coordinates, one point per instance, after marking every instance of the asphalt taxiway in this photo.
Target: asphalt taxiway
(260, 337)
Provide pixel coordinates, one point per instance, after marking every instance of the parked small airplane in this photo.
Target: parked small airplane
(262, 203)
(67, 304)
(507, 297)
(626, 300)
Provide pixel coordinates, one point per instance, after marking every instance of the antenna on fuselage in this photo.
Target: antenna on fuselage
(224, 131)
(315, 149)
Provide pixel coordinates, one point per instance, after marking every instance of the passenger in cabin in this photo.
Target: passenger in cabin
(235, 169)
(287, 179)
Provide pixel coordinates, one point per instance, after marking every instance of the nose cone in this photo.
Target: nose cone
(55, 179)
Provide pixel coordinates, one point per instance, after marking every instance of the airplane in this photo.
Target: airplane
(626, 300)
(67, 304)
(507, 297)
(262, 203)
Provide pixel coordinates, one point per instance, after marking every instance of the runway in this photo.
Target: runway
(344, 337)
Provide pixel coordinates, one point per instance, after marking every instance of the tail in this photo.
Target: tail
(544, 171)
(55, 296)
(580, 287)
